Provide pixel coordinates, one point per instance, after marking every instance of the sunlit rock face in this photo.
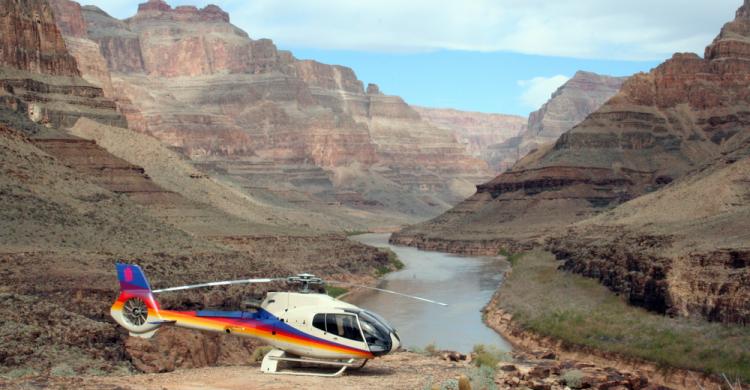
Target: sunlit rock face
(481, 133)
(31, 41)
(648, 194)
(660, 125)
(194, 80)
(568, 106)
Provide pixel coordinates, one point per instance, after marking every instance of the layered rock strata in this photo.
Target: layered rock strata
(195, 81)
(674, 144)
(568, 106)
(479, 132)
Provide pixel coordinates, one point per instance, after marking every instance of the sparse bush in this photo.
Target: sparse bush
(488, 356)
(450, 384)
(62, 369)
(511, 257)
(19, 373)
(394, 263)
(259, 353)
(350, 233)
(431, 349)
(573, 379)
(482, 378)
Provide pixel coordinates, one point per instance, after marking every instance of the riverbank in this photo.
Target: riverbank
(467, 247)
(539, 307)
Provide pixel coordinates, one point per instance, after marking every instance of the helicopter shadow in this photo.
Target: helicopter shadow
(372, 371)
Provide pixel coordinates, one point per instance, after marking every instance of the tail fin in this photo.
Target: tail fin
(135, 308)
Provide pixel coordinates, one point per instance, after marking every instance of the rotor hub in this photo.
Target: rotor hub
(305, 281)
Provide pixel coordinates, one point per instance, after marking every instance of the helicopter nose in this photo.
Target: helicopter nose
(395, 342)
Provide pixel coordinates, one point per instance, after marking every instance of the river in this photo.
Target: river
(466, 284)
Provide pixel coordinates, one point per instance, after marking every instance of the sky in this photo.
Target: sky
(504, 56)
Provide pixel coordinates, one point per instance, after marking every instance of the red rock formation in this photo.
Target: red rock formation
(480, 132)
(33, 46)
(681, 249)
(119, 46)
(69, 18)
(658, 127)
(195, 81)
(568, 106)
(30, 40)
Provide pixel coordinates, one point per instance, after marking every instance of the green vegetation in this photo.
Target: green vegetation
(510, 256)
(335, 291)
(482, 378)
(259, 353)
(350, 233)
(573, 379)
(394, 263)
(489, 356)
(580, 311)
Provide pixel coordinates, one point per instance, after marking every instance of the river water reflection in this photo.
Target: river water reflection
(466, 284)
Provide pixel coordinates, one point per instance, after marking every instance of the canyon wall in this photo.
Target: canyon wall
(678, 130)
(479, 132)
(242, 108)
(568, 106)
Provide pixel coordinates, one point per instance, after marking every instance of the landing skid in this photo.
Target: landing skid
(278, 362)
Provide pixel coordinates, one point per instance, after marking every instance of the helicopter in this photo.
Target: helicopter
(303, 327)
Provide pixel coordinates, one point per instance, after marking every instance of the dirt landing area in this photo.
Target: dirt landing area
(400, 371)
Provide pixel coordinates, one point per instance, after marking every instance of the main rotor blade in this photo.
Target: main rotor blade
(389, 292)
(222, 283)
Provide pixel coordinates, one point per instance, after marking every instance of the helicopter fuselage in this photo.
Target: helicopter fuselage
(304, 324)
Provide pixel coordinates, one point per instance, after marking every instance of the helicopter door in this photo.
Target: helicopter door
(339, 328)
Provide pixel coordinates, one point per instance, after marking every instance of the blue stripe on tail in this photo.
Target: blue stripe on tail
(131, 277)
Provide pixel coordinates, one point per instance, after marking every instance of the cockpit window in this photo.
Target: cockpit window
(319, 321)
(377, 334)
(343, 325)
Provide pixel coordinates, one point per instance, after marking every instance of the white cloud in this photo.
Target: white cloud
(538, 90)
(611, 29)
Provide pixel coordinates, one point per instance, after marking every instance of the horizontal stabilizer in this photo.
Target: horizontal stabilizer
(172, 322)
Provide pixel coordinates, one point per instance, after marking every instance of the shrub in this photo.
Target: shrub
(573, 379)
(488, 356)
(431, 349)
(482, 378)
(259, 353)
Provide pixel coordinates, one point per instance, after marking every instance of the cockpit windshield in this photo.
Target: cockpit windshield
(377, 333)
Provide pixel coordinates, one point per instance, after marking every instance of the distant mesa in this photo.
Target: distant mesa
(210, 12)
(373, 89)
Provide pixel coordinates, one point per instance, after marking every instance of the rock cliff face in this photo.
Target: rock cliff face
(679, 249)
(682, 250)
(31, 41)
(479, 132)
(37, 69)
(195, 81)
(568, 106)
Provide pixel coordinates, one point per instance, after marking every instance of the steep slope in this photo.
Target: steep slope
(684, 250)
(70, 210)
(478, 131)
(241, 108)
(660, 126)
(568, 106)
